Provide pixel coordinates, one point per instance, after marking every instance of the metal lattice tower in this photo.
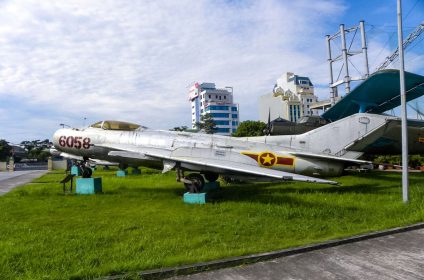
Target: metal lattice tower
(412, 37)
(346, 53)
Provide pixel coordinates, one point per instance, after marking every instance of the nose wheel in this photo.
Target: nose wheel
(86, 171)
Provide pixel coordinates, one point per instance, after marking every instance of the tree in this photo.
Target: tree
(37, 149)
(250, 128)
(180, 128)
(5, 150)
(206, 123)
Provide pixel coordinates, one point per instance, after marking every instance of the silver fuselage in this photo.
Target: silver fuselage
(72, 141)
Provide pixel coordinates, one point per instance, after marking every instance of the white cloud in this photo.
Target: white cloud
(133, 60)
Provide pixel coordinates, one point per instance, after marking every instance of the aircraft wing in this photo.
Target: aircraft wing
(207, 159)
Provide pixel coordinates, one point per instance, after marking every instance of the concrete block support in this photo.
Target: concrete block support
(121, 173)
(75, 170)
(89, 185)
(136, 171)
(195, 198)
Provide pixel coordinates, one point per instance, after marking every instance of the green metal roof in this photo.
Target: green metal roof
(377, 94)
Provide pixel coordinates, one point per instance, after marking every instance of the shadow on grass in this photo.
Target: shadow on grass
(276, 194)
(179, 191)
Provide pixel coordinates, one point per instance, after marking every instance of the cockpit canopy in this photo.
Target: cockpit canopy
(117, 125)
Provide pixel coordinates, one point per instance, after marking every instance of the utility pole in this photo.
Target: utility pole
(405, 181)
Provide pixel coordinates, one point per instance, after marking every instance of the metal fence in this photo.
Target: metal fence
(30, 166)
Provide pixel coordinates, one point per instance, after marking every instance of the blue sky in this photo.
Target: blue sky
(63, 61)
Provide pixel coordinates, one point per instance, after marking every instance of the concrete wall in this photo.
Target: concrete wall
(59, 164)
(3, 166)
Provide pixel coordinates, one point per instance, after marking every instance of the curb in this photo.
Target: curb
(248, 259)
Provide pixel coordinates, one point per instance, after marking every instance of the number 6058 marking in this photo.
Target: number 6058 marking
(74, 142)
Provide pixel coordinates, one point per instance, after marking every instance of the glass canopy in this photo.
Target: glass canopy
(116, 125)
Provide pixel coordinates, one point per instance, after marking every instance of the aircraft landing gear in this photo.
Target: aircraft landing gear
(85, 170)
(211, 177)
(197, 183)
(123, 166)
(193, 182)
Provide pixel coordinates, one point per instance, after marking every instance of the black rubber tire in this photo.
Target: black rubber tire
(123, 166)
(86, 172)
(198, 183)
(211, 177)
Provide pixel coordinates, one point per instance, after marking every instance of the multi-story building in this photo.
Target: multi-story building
(290, 99)
(206, 98)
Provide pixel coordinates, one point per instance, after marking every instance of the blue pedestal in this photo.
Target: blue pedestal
(210, 186)
(75, 170)
(89, 185)
(136, 171)
(195, 198)
(121, 173)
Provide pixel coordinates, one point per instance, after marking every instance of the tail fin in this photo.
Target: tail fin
(336, 138)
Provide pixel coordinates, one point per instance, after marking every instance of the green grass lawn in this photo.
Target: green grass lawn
(140, 222)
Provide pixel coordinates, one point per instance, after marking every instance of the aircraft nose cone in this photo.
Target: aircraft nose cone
(56, 137)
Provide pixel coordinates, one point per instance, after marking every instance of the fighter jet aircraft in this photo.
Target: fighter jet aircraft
(322, 152)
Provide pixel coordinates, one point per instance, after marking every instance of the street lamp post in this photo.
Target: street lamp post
(405, 181)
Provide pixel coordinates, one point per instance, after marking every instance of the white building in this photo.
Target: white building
(291, 99)
(206, 98)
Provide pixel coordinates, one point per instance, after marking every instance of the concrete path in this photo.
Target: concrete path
(10, 180)
(397, 256)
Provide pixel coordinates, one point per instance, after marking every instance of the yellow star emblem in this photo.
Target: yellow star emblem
(267, 159)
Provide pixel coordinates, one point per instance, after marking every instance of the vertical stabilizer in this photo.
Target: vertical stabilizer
(334, 138)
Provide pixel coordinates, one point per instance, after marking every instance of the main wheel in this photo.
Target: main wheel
(211, 177)
(197, 183)
(123, 166)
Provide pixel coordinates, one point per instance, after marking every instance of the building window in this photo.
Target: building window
(234, 116)
(234, 109)
(214, 107)
(222, 122)
(234, 123)
(209, 96)
(220, 115)
(225, 97)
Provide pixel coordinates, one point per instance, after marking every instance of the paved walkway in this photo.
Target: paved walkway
(397, 256)
(10, 180)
